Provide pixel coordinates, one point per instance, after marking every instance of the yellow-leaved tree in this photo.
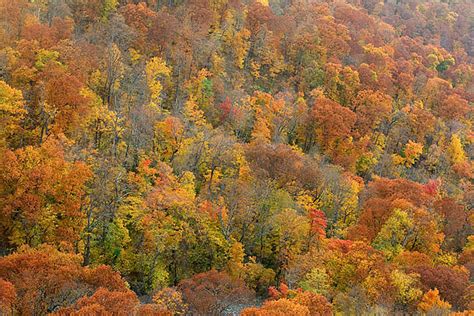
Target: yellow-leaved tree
(11, 111)
(156, 72)
(455, 150)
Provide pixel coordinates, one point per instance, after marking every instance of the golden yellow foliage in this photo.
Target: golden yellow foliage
(156, 70)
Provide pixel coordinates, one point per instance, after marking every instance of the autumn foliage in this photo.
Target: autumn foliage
(262, 157)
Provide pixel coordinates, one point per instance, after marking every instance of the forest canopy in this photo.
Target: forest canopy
(225, 157)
